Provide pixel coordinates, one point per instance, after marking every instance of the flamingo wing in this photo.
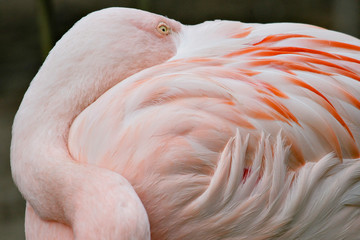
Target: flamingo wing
(165, 129)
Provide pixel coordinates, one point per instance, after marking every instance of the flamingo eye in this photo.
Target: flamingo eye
(163, 28)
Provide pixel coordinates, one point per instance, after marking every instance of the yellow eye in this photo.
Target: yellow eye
(163, 28)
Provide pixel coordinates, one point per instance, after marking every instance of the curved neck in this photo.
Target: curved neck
(57, 187)
(40, 133)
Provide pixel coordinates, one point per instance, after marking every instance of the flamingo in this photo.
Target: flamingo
(139, 127)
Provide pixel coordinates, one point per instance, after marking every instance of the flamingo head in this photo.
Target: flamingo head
(107, 46)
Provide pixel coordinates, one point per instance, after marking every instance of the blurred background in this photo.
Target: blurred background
(29, 28)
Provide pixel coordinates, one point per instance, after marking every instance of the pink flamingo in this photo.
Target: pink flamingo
(137, 126)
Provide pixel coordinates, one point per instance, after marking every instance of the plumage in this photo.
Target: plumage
(225, 130)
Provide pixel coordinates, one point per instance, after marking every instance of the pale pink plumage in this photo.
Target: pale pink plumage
(225, 130)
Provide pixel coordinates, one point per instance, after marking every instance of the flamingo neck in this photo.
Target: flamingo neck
(57, 187)
(40, 132)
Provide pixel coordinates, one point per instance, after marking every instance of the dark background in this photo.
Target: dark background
(24, 41)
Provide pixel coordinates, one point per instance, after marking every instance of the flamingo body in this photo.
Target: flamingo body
(226, 131)
(173, 120)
